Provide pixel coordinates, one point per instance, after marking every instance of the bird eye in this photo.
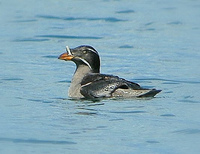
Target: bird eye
(84, 51)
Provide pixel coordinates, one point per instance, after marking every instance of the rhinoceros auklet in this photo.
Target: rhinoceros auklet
(88, 82)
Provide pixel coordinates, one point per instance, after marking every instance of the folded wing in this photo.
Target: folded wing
(97, 85)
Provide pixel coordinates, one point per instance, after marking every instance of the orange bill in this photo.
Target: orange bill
(65, 56)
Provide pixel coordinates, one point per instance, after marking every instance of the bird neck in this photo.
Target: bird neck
(81, 71)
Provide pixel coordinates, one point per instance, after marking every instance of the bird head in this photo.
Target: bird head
(83, 55)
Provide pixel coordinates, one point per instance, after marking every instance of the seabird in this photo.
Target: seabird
(89, 83)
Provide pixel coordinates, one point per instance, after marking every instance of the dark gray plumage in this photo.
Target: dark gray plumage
(89, 83)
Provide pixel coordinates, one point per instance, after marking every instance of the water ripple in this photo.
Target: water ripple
(107, 19)
(126, 11)
(30, 40)
(175, 23)
(170, 81)
(38, 100)
(126, 46)
(50, 56)
(188, 131)
(12, 79)
(167, 115)
(129, 112)
(69, 37)
(35, 141)
(28, 20)
(149, 23)
(64, 81)
(152, 141)
(86, 113)
(188, 101)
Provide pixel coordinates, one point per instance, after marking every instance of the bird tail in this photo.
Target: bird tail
(135, 93)
(149, 93)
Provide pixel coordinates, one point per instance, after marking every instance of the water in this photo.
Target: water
(153, 43)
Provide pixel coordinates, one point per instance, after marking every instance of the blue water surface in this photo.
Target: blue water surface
(154, 43)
